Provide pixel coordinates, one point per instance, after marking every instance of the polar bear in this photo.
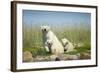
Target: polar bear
(51, 42)
(68, 46)
(53, 47)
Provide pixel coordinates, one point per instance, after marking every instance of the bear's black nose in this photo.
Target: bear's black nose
(44, 29)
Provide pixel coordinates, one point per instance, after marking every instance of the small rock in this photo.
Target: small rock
(85, 56)
(39, 58)
(73, 57)
(27, 56)
(68, 57)
(53, 57)
(64, 57)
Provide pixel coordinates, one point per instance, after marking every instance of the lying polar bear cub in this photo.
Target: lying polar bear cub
(68, 46)
(51, 42)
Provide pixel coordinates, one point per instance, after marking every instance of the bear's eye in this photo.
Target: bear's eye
(42, 29)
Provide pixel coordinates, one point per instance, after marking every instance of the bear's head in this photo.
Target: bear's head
(65, 41)
(49, 43)
(45, 29)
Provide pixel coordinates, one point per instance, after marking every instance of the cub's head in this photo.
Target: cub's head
(49, 43)
(64, 42)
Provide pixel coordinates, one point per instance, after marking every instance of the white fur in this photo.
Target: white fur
(69, 46)
(50, 37)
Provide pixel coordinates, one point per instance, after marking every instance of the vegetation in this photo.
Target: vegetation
(32, 38)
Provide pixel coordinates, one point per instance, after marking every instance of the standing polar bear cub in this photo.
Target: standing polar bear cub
(51, 42)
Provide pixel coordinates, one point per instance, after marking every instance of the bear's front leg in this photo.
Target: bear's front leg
(47, 49)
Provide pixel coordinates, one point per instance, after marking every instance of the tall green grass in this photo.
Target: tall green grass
(32, 37)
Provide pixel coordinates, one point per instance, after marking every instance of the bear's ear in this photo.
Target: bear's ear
(48, 28)
(41, 27)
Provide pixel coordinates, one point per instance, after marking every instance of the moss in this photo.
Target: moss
(37, 51)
